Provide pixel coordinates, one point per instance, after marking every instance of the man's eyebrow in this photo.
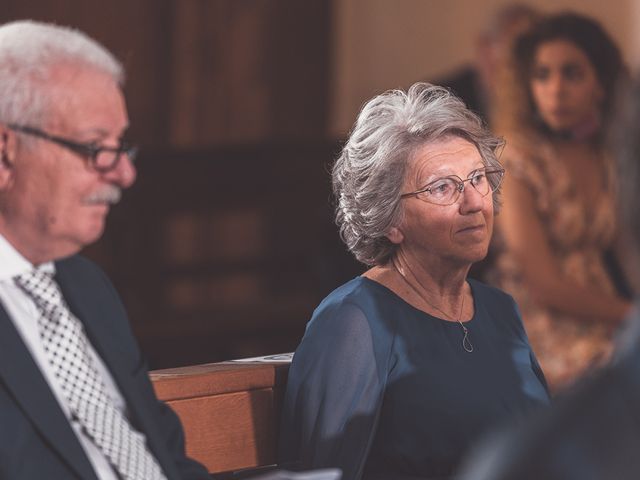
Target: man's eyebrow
(101, 133)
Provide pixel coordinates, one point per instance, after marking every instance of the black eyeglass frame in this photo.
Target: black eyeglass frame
(90, 151)
(459, 185)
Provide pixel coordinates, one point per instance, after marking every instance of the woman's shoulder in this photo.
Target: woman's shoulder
(359, 291)
(488, 295)
(358, 303)
(499, 307)
(516, 146)
(535, 166)
(349, 323)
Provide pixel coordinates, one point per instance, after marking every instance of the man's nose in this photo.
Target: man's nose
(124, 174)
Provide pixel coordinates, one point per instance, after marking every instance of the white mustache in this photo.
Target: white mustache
(110, 195)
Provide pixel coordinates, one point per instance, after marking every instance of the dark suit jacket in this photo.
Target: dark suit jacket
(592, 432)
(36, 440)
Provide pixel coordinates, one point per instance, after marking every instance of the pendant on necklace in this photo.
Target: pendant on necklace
(466, 343)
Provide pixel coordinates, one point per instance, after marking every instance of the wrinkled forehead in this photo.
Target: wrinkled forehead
(448, 155)
(79, 95)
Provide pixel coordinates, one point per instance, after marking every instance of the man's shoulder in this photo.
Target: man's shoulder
(78, 262)
(81, 278)
(78, 266)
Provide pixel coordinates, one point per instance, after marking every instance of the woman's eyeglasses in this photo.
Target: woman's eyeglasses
(446, 190)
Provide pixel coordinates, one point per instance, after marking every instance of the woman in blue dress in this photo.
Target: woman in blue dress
(403, 368)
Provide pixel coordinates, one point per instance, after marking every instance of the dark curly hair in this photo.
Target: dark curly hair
(589, 36)
(624, 137)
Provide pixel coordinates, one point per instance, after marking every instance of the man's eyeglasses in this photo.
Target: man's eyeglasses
(101, 158)
(446, 190)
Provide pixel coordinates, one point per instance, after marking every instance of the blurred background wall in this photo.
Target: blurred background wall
(381, 44)
(226, 243)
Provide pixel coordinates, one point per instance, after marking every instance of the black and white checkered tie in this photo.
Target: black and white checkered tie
(66, 344)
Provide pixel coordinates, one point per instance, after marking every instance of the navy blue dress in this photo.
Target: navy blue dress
(384, 390)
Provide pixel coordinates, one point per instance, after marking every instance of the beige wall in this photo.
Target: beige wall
(381, 44)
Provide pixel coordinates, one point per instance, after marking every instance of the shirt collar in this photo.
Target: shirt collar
(12, 263)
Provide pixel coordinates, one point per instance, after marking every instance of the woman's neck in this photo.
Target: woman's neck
(439, 277)
(440, 292)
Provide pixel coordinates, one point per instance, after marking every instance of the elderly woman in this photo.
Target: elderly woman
(403, 368)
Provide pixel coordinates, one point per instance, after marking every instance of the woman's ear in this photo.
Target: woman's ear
(395, 235)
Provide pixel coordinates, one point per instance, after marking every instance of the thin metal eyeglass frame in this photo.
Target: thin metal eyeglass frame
(90, 151)
(460, 186)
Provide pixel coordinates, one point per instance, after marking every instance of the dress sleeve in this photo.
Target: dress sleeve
(535, 168)
(522, 332)
(334, 393)
(538, 371)
(520, 164)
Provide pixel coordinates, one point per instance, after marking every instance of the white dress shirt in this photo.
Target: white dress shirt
(24, 314)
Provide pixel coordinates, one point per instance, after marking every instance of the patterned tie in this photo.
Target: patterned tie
(66, 345)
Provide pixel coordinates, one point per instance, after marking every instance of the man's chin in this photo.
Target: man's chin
(91, 235)
(95, 235)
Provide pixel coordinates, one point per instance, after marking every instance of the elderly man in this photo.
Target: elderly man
(75, 398)
(593, 431)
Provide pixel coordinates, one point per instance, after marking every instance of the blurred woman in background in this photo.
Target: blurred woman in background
(558, 218)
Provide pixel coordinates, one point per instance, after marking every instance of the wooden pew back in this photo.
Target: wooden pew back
(230, 411)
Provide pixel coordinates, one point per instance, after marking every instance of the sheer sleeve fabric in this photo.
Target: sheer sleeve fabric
(334, 392)
(535, 365)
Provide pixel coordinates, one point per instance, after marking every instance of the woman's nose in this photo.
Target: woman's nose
(472, 199)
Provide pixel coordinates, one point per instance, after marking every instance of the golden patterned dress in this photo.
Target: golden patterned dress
(577, 235)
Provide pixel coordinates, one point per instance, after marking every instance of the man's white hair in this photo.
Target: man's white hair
(29, 51)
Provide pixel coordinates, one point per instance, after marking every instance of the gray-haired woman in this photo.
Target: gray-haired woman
(403, 368)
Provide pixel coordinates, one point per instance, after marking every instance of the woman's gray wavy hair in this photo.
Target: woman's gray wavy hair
(369, 174)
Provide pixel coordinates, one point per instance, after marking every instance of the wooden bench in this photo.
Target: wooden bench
(230, 410)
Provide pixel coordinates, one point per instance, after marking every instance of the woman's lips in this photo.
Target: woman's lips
(472, 229)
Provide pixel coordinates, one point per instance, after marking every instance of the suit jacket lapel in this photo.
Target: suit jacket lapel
(100, 325)
(26, 384)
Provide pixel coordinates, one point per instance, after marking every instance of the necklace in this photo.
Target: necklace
(466, 342)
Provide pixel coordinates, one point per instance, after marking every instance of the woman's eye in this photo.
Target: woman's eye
(572, 72)
(478, 178)
(540, 74)
(440, 187)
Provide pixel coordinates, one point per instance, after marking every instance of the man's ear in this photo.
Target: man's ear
(395, 235)
(7, 156)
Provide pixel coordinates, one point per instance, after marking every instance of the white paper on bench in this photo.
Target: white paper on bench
(322, 474)
(277, 358)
